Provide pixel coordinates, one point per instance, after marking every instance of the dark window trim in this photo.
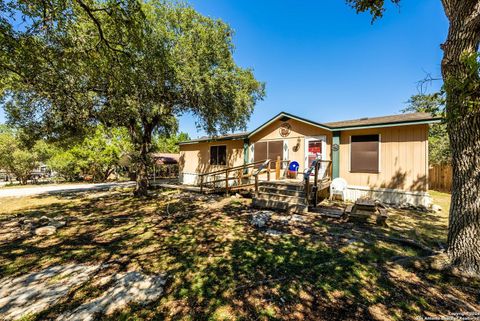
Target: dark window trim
(217, 163)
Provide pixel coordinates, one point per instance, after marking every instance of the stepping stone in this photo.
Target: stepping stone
(128, 287)
(37, 291)
(45, 230)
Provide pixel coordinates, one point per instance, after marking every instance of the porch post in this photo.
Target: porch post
(336, 154)
(246, 156)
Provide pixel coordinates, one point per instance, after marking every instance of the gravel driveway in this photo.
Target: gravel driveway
(27, 191)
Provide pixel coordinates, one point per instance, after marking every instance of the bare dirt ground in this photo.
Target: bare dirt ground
(184, 256)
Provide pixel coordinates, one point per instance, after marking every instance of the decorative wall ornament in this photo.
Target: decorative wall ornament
(285, 129)
(335, 147)
(297, 146)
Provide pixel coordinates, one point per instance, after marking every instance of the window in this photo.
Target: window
(364, 154)
(218, 155)
(268, 150)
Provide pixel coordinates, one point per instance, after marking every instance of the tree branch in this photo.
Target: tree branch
(97, 23)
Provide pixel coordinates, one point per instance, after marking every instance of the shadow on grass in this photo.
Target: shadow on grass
(221, 268)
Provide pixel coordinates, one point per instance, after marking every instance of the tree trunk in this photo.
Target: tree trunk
(463, 125)
(141, 188)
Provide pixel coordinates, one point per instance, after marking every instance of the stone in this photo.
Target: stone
(128, 288)
(273, 232)
(59, 218)
(37, 291)
(297, 218)
(28, 227)
(283, 219)
(44, 220)
(260, 218)
(12, 224)
(45, 230)
(436, 208)
(58, 224)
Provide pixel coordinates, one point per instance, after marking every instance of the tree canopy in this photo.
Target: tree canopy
(169, 144)
(131, 64)
(439, 151)
(461, 83)
(97, 156)
(16, 158)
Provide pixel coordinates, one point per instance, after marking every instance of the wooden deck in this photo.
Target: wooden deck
(279, 192)
(188, 188)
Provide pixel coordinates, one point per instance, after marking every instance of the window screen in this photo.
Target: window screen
(218, 155)
(268, 150)
(260, 152)
(364, 154)
(275, 149)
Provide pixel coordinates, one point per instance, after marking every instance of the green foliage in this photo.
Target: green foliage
(131, 64)
(24, 162)
(439, 143)
(98, 155)
(463, 89)
(66, 165)
(8, 144)
(166, 144)
(18, 159)
(426, 103)
(376, 8)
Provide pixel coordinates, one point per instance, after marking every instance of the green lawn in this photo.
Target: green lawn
(219, 267)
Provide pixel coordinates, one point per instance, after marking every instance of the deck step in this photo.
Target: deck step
(286, 192)
(280, 205)
(282, 186)
(282, 198)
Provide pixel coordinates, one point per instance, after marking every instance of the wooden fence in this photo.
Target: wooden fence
(440, 178)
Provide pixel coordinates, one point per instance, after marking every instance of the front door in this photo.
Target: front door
(314, 148)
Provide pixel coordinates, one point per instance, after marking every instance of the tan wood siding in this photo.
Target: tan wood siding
(195, 158)
(299, 131)
(403, 158)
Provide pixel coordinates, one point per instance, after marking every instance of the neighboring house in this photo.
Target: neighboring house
(40, 171)
(383, 157)
(165, 158)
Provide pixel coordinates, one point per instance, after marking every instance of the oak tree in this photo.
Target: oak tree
(132, 64)
(461, 76)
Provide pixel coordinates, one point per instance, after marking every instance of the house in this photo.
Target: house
(382, 157)
(165, 158)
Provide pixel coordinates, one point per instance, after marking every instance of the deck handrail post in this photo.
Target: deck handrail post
(277, 169)
(315, 184)
(201, 183)
(256, 184)
(226, 181)
(307, 187)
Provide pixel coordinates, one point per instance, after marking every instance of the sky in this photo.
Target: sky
(322, 61)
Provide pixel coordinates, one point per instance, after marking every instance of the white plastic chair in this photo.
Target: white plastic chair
(338, 187)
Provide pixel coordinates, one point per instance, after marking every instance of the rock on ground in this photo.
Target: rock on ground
(273, 232)
(45, 230)
(128, 287)
(260, 218)
(37, 291)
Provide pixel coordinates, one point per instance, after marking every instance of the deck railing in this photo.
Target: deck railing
(267, 167)
(242, 175)
(315, 169)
